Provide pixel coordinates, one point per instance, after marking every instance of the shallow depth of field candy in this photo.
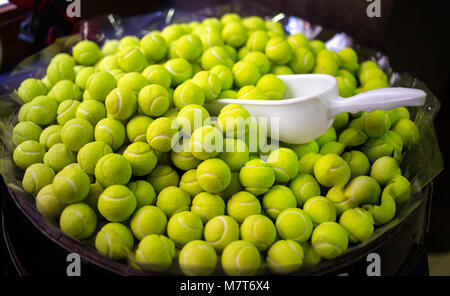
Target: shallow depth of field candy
(116, 145)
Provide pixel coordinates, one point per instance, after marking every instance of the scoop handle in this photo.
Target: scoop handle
(383, 98)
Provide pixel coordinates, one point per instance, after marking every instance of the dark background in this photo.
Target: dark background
(414, 34)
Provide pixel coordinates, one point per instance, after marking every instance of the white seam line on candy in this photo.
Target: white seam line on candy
(119, 101)
(72, 186)
(129, 53)
(293, 249)
(354, 188)
(214, 53)
(67, 110)
(200, 210)
(109, 131)
(138, 222)
(184, 224)
(210, 86)
(280, 170)
(304, 184)
(108, 242)
(114, 198)
(236, 259)
(328, 244)
(277, 267)
(33, 175)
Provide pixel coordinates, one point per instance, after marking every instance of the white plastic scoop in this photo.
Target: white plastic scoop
(311, 101)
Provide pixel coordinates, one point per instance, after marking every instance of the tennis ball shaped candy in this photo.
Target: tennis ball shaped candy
(86, 53)
(241, 258)
(179, 69)
(71, 185)
(257, 177)
(358, 223)
(213, 175)
(385, 211)
(329, 240)
(136, 128)
(155, 252)
(47, 204)
(50, 136)
(243, 204)
(42, 110)
(26, 130)
(209, 83)
(184, 159)
(376, 123)
(207, 206)
(259, 230)
(358, 162)
(272, 85)
(277, 199)
(197, 258)
(211, 39)
(90, 154)
(349, 59)
(384, 169)
(60, 70)
(278, 50)
(302, 149)
(399, 189)
(326, 63)
(76, 133)
(251, 92)
(110, 47)
(189, 47)
(100, 84)
(184, 227)
(189, 183)
(297, 41)
(408, 131)
(141, 157)
(163, 176)
(91, 110)
(188, 93)
(144, 192)
(36, 177)
(192, 117)
(131, 59)
(225, 76)
(66, 111)
(328, 136)
(154, 46)
(233, 120)
(234, 34)
(285, 256)
(307, 162)
(320, 209)
(83, 76)
(363, 190)
(245, 73)
(114, 240)
(23, 112)
(172, 32)
(213, 56)
(162, 134)
(172, 200)
(31, 88)
(111, 132)
(78, 221)
(148, 220)
(285, 164)
(121, 103)
(304, 186)
(65, 90)
(294, 224)
(302, 60)
(281, 70)
(257, 41)
(220, 231)
(113, 169)
(332, 147)
(206, 142)
(235, 153)
(157, 74)
(331, 170)
(134, 81)
(253, 23)
(352, 137)
(59, 156)
(27, 153)
(117, 203)
(153, 100)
